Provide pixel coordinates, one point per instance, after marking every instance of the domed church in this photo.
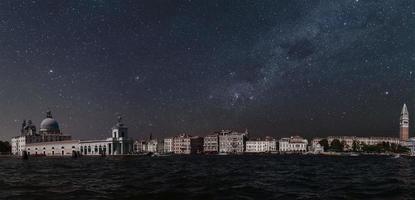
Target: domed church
(50, 141)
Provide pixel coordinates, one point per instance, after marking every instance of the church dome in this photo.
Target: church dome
(49, 124)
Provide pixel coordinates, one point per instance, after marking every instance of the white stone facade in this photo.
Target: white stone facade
(231, 142)
(348, 140)
(58, 148)
(51, 142)
(186, 144)
(49, 132)
(211, 144)
(155, 146)
(261, 146)
(168, 145)
(294, 144)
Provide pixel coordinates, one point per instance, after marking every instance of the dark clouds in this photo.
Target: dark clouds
(274, 67)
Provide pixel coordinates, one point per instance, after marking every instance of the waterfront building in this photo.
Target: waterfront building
(211, 144)
(349, 140)
(261, 146)
(316, 141)
(49, 132)
(137, 146)
(378, 140)
(411, 145)
(232, 142)
(144, 146)
(295, 144)
(56, 148)
(168, 145)
(186, 144)
(51, 142)
(155, 146)
(316, 149)
(404, 124)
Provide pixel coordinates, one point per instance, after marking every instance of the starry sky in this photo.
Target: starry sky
(312, 68)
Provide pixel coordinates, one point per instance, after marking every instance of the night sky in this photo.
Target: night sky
(278, 68)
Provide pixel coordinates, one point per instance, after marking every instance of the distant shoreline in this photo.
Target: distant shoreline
(325, 154)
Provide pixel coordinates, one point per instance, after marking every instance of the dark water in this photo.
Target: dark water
(209, 177)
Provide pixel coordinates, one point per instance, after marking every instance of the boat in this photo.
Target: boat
(396, 156)
(354, 154)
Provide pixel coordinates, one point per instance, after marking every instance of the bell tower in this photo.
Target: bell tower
(119, 130)
(121, 143)
(404, 124)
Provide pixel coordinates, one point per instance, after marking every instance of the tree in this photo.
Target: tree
(386, 146)
(371, 148)
(336, 145)
(325, 144)
(402, 149)
(5, 147)
(356, 146)
(394, 147)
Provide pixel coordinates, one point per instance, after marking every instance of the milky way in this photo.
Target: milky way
(274, 67)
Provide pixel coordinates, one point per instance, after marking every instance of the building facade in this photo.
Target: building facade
(186, 144)
(295, 144)
(211, 144)
(49, 132)
(168, 145)
(57, 148)
(155, 146)
(261, 146)
(349, 140)
(232, 142)
(51, 142)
